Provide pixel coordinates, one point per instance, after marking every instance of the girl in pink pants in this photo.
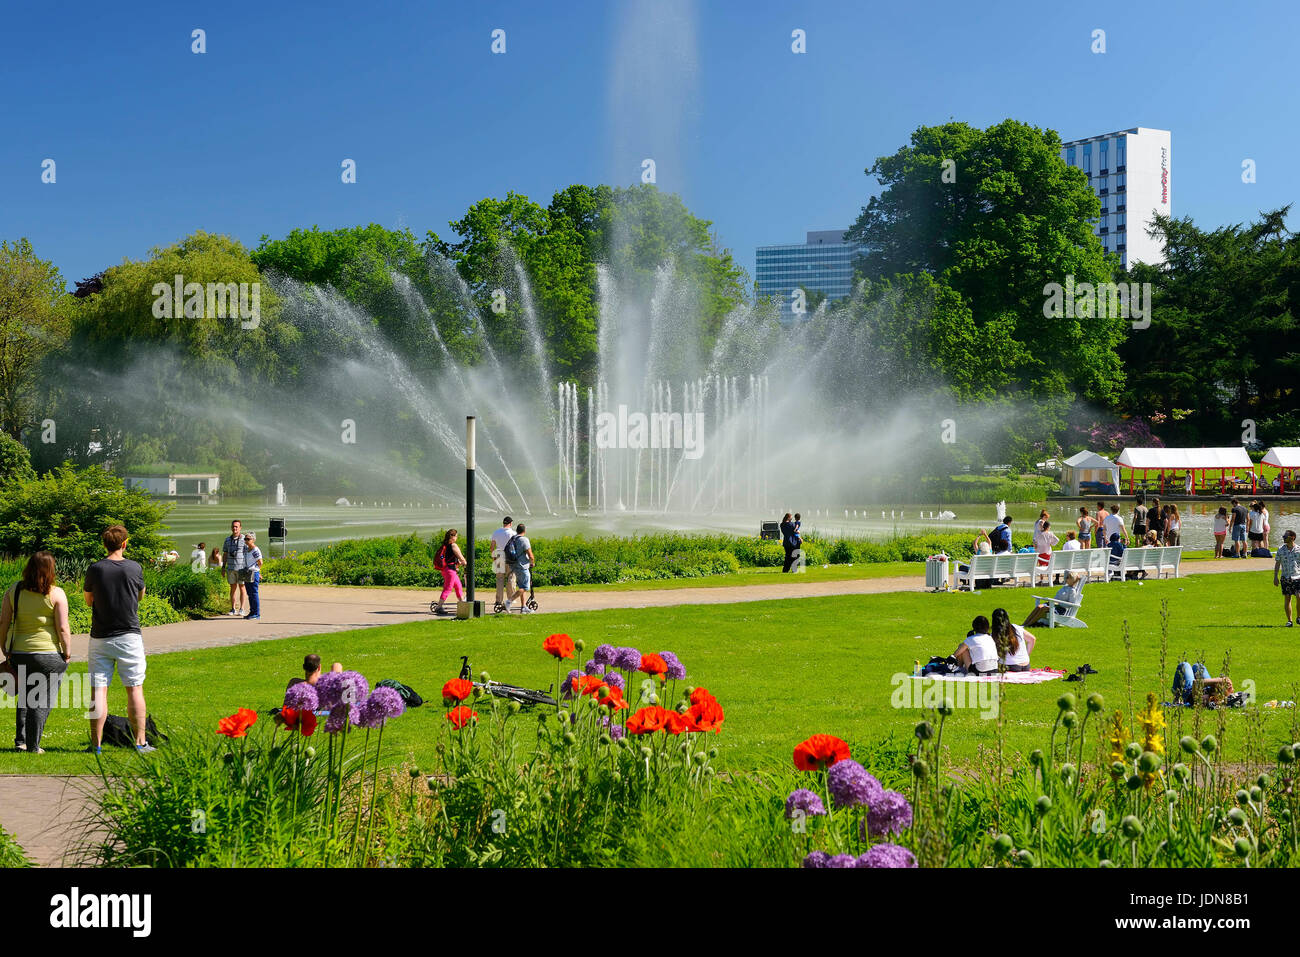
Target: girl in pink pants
(447, 560)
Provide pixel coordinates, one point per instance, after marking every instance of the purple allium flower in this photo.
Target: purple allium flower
(329, 690)
(383, 703)
(616, 731)
(628, 659)
(301, 697)
(566, 686)
(816, 860)
(341, 715)
(360, 689)
(842, 860)
(888, 814)
(594, 667)
(604, 654)
(613, 679)
(806, 801)
(676, 670)
(851, 784)
(887, 855)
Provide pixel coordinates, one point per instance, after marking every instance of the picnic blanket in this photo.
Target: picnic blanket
(1033, 676)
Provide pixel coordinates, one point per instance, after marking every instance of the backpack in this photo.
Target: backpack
(409, 695)
(939, 665)
(511, 550)
(440, 559)
(1260, 552)
(996, 536)
(118, 732)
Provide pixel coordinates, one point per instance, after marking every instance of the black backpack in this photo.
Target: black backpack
(409, 695)
(511, 550)
(118, 732)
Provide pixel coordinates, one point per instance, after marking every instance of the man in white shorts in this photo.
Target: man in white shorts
(505, 574)
(113, 589)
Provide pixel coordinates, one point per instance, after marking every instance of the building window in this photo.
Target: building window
(1120, 153)
(1069, 156)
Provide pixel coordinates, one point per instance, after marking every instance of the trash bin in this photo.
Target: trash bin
(936, 572)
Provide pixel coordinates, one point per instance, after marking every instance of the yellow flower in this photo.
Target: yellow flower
(1117, 738)
(1153, 725)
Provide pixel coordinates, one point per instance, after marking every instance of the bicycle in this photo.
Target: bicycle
(526, 697)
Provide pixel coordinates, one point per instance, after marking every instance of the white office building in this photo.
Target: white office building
(1130, 172)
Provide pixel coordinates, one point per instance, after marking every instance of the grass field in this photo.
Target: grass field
(782, 669)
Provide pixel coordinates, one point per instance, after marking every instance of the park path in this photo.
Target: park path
(29, 803)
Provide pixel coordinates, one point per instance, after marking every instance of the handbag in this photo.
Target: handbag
(7, 667)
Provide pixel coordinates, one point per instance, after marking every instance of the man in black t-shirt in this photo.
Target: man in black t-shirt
(1239, 549)
(113, 589)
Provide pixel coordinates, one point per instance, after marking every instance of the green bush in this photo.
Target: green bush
(153, 611)
(185, 589)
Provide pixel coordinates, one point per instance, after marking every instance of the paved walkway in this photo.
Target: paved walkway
(46, 814)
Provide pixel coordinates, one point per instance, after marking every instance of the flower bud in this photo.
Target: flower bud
(1095, 702)
(1187, 743)
(713, 752)
(1263, 780)
(925, 731)
(484, 677)
(1242, 847)
(1002, 845)
(1150, 762)
(579, 644)
(1067, 773)
(1065, 702)
(570, 738)
(414, 773)
(562, 717)
(1134, 782)
(701, 757)
(1132, 750)
(1236, 816)
(514, 707)
(1117, 768)
(1104, 863)
(1026, 858)
(1181, 773)
(945, 709)
(1209, 744)
(1043, 805)
(646, 752)
(709, 772)
(1069, 719)
(653, 699)
(920, 769)
(1171, 796)
(431, 783)
(1131, 827)
(605, 739)
(1036, 757)
(310, 752)
(1256, 794)
(1285, 754)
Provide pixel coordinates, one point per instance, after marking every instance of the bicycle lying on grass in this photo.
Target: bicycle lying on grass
(526, 697)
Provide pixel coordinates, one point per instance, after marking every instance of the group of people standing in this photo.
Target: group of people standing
(240, 560)
(512, 562)
(1249, 528)
(1152, 525)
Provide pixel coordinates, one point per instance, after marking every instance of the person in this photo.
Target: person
(1071, 591)
(977, 653)
(1264, 510)
(1150, 540)
(312, 670)
(1256, 520)
(199, 558)
(1220, 531)
(1117, 549)
(1041, 520)
(1286, 571)
(1044, 541)
(1114, 525)
(1084, 523)
(1099, 525)
(1013, 640)
(1071, 542)
(1173, 526)
(523, 565)
(1000, 537)
(232, 560)
(981, 545)
(37, 610)
(1239, 520)
(1140, 517)
(788, 535)
(252, 576)
(113, 588)
(1187, 484)
(1156, 518)
(505, 575)
(449, 558)
(215, 558)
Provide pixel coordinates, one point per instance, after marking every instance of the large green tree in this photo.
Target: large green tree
(997, 216)
(33, 324)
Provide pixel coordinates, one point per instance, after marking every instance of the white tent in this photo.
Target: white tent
(1287, 459)
(1088, 466)
(1202, 460)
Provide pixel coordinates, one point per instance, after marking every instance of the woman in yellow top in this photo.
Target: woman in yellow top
(34, 626)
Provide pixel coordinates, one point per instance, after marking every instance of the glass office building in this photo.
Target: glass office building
(824, 263)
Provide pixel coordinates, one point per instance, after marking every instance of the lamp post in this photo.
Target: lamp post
(469, 509)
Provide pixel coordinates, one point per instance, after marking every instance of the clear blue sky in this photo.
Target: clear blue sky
(152, 141)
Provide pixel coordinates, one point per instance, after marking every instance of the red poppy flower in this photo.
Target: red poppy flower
(586, 684)
(237, 725)
(294, 720)
(706, 716)
(459, 717)
(820, 751)
(653, 665)
(675, 723)
(648, 720)
(561, 646)
(700, 695)
(456, 690)
(611, 697)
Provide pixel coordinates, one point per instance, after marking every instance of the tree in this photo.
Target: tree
(15, 461)
(997, 215)
(33, 323)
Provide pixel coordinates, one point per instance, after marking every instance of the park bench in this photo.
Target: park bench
(1162, 561)
(1086, 562)
(1013, 565)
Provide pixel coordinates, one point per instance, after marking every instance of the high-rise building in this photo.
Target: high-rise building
(824, 263)
(1130, 172)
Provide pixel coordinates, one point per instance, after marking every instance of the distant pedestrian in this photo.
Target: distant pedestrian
(1156, 518)
(199, 558)
(34, 623)
(1114, 525)
(1084, 523)
(1286, 571)
(1001, 536)
(1173, 526)
(505, 576)
(519, 552)
(1220, 531)
(1140, 517)
(447, 560)
(1239, 522)
(232, 560)
(113, 589)
(252, 576)
(788, 537)
(1256, 531)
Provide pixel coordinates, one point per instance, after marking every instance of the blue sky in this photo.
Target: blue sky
(153, 141)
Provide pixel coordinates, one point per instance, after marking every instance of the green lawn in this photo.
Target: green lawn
(782, 669)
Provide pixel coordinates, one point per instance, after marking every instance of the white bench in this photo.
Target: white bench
(1088, 563)
(1013, 565)
(1157, 560)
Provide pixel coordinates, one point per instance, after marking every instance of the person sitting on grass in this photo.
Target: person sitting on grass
(1014, 641)
(1071, 591)
(977, 653)
(311, 668)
